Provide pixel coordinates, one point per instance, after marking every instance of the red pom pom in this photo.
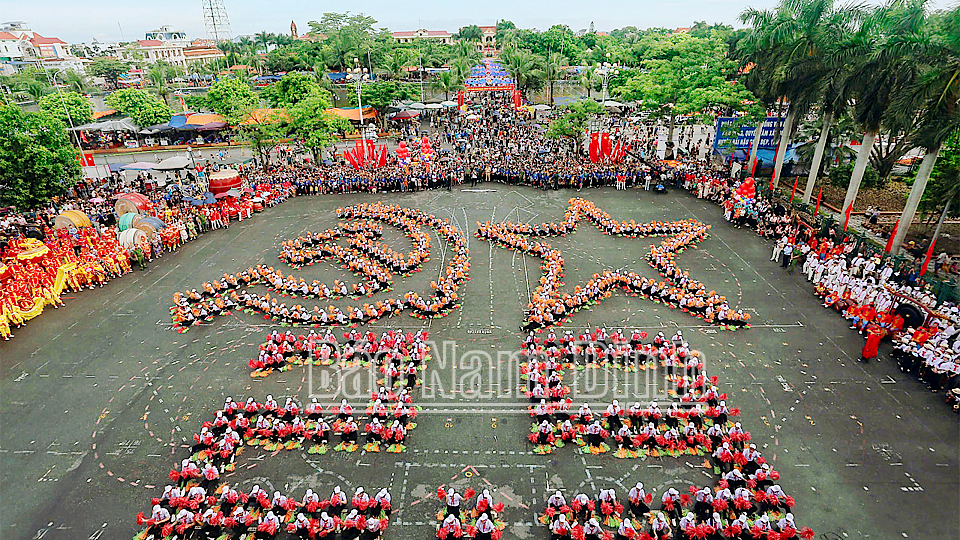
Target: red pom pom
(788, 500)
(497, 534)
(648, 499)
(684, 499)
(291, 528)
(141, 518)
(806, 533)
(498, 507)
(441, 494)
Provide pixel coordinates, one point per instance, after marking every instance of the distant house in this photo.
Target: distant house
(410, 37)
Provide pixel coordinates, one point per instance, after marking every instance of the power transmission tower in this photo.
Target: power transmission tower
(216, 21)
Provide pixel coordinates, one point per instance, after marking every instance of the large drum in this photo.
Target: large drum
(128, 220)
(132, 202)
(132, 238)
(224, 180)
(71, 218)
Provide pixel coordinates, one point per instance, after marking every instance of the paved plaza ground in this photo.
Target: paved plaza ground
(97, 398)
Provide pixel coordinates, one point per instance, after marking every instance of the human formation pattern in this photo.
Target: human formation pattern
(744, 501)
(374, 262)
(550, 305)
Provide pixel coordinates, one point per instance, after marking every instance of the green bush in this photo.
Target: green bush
(840, 176)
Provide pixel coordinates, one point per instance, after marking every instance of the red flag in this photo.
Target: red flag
(794, 192)
(847, 213)
(371, 150)
(816, 211)
(605, 145)
(892, 235)
(460, 98)
(771, 183)
(926, 261)
(383, 156)
(594, 147)
(349, 155)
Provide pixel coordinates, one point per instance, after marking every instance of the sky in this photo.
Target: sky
(116, 20)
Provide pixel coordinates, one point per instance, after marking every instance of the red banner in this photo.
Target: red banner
(926, 261)
(605, 145)
(893, 234)
(847, 213)
(594, 147)
(349, 155)
(461, 97)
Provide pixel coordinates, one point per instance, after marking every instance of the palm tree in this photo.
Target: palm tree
(589, 80)
(263, 40)
(787, 39)
(445, 82)
(462, 67)
(882, 71)
(158, 76)
(523, 66)
(396, 62)
(937, 95)
(246, 44)
(553, 66)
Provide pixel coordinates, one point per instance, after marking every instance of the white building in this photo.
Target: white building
(169, 35)
(150, 51)
(410, 37)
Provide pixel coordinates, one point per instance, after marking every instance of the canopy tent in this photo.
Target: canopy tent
(139, 166)
(448, 103)
(156, 128)
(611, 103)
(265, 116)
(433, 106)
(212, 126)
(201, 119)
(542, 107)
(178, 121)
(405, 115)
(71, 218)
(417, 105)
(173, 163)
(353, 113)
(124, 124)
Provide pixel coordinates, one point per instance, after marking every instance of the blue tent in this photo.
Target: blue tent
(178, 121)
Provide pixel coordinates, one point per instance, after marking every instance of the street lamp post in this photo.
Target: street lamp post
(53, 79)
(605, 70)
(359, 75)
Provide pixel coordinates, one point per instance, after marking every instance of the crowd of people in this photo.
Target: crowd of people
(548, 306)
(367, 258)
(746, 503)
(199, 504)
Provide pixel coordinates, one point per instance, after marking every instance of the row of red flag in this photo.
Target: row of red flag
(601, 149)
(369, 155)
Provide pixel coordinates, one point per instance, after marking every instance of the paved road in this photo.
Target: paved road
(97, 398)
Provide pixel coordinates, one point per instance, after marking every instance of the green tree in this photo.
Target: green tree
(589, 80)
(314, 126)
(37, 161)
(233, 98)
(936, 94)
(572, 124)
(158, 75)
(349, 36)
(396, 62)
(688, 76)
(290, 90)
(108, 68)
(78, 106)
(264, 133)
(524, 67)
(553, 69)
(470, 33)
(382, 94)
(141, 106)
(445, 81)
